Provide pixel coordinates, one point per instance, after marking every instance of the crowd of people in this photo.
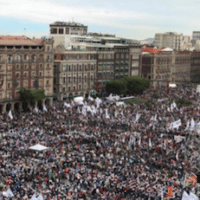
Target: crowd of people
(98, 150)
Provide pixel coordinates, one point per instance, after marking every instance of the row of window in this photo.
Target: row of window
(77, 67)
(74, 88)
(25, 84)
(33, 66)
(78, 56)
(32, 74)
(75, 79)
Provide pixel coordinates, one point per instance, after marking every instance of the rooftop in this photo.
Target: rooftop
(19, 40)
(59, 23)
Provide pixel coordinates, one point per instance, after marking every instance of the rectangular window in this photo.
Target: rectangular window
(67, 30)
(60, 30)
(54, 31)
(80, 67)
(69, 88)
(85, 79)
(69, 68)
(79, 79)
(74, 79)
(79, 87)
(63, 79)
(69, 79)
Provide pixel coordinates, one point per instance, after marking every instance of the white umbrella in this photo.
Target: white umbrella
(38, 147)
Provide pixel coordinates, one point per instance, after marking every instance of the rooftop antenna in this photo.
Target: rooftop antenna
(72, 19)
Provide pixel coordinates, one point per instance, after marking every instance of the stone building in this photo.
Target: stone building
(24, 63)
(195, 66)
(166, 67)
(74, 73)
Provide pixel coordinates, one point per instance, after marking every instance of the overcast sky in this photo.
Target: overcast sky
(135, 19)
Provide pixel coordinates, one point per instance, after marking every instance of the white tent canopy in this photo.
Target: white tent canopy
(38, 147)
(172, 85)
(78, 99)
(120, 103)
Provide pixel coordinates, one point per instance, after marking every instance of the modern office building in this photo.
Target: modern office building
(172, 40)
(24, 63)
(64, 33)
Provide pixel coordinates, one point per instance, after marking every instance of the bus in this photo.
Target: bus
(127, 98)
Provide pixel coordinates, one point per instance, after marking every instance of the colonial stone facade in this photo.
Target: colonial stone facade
(24, 63)
(166, 67)
(74, 73)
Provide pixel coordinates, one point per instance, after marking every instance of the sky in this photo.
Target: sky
(134, 19)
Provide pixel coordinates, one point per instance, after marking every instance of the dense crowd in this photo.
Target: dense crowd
(98, 150)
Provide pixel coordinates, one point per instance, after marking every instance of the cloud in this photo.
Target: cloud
(47, 12)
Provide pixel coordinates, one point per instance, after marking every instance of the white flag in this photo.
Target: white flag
(44, 108)
(10, 114)
(34, 197)
(150, 145)
(190, 196)
(67, 105)
(192, 124)
(90, 98)
(36, 109)
(8, 193)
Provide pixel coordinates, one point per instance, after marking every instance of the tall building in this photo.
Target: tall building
(88, 59)
(24, 63)
(76, 72)
(64, 33)
(195, 66)
(166, 66)
(196, 35)
(172, 40)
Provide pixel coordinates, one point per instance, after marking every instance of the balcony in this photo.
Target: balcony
(48, 60)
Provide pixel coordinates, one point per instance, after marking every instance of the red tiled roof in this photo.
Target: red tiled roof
(150, 50)
(19, 40)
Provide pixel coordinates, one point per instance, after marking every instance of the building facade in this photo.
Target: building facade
(74, 73)
(79, 72)
(172, 40)
(195, 66)
(65, 32)
(166, 67)
(24, 63)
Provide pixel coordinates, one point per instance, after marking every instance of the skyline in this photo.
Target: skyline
(134, 20)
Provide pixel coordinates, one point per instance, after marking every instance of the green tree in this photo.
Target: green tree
(136, 85)
(116, 86)
(31, 96)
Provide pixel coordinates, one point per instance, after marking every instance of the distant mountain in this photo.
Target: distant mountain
(147, 41)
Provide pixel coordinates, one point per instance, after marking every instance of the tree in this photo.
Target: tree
(136, 85)
(116, 86)
(31, 96)
(128, 85)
